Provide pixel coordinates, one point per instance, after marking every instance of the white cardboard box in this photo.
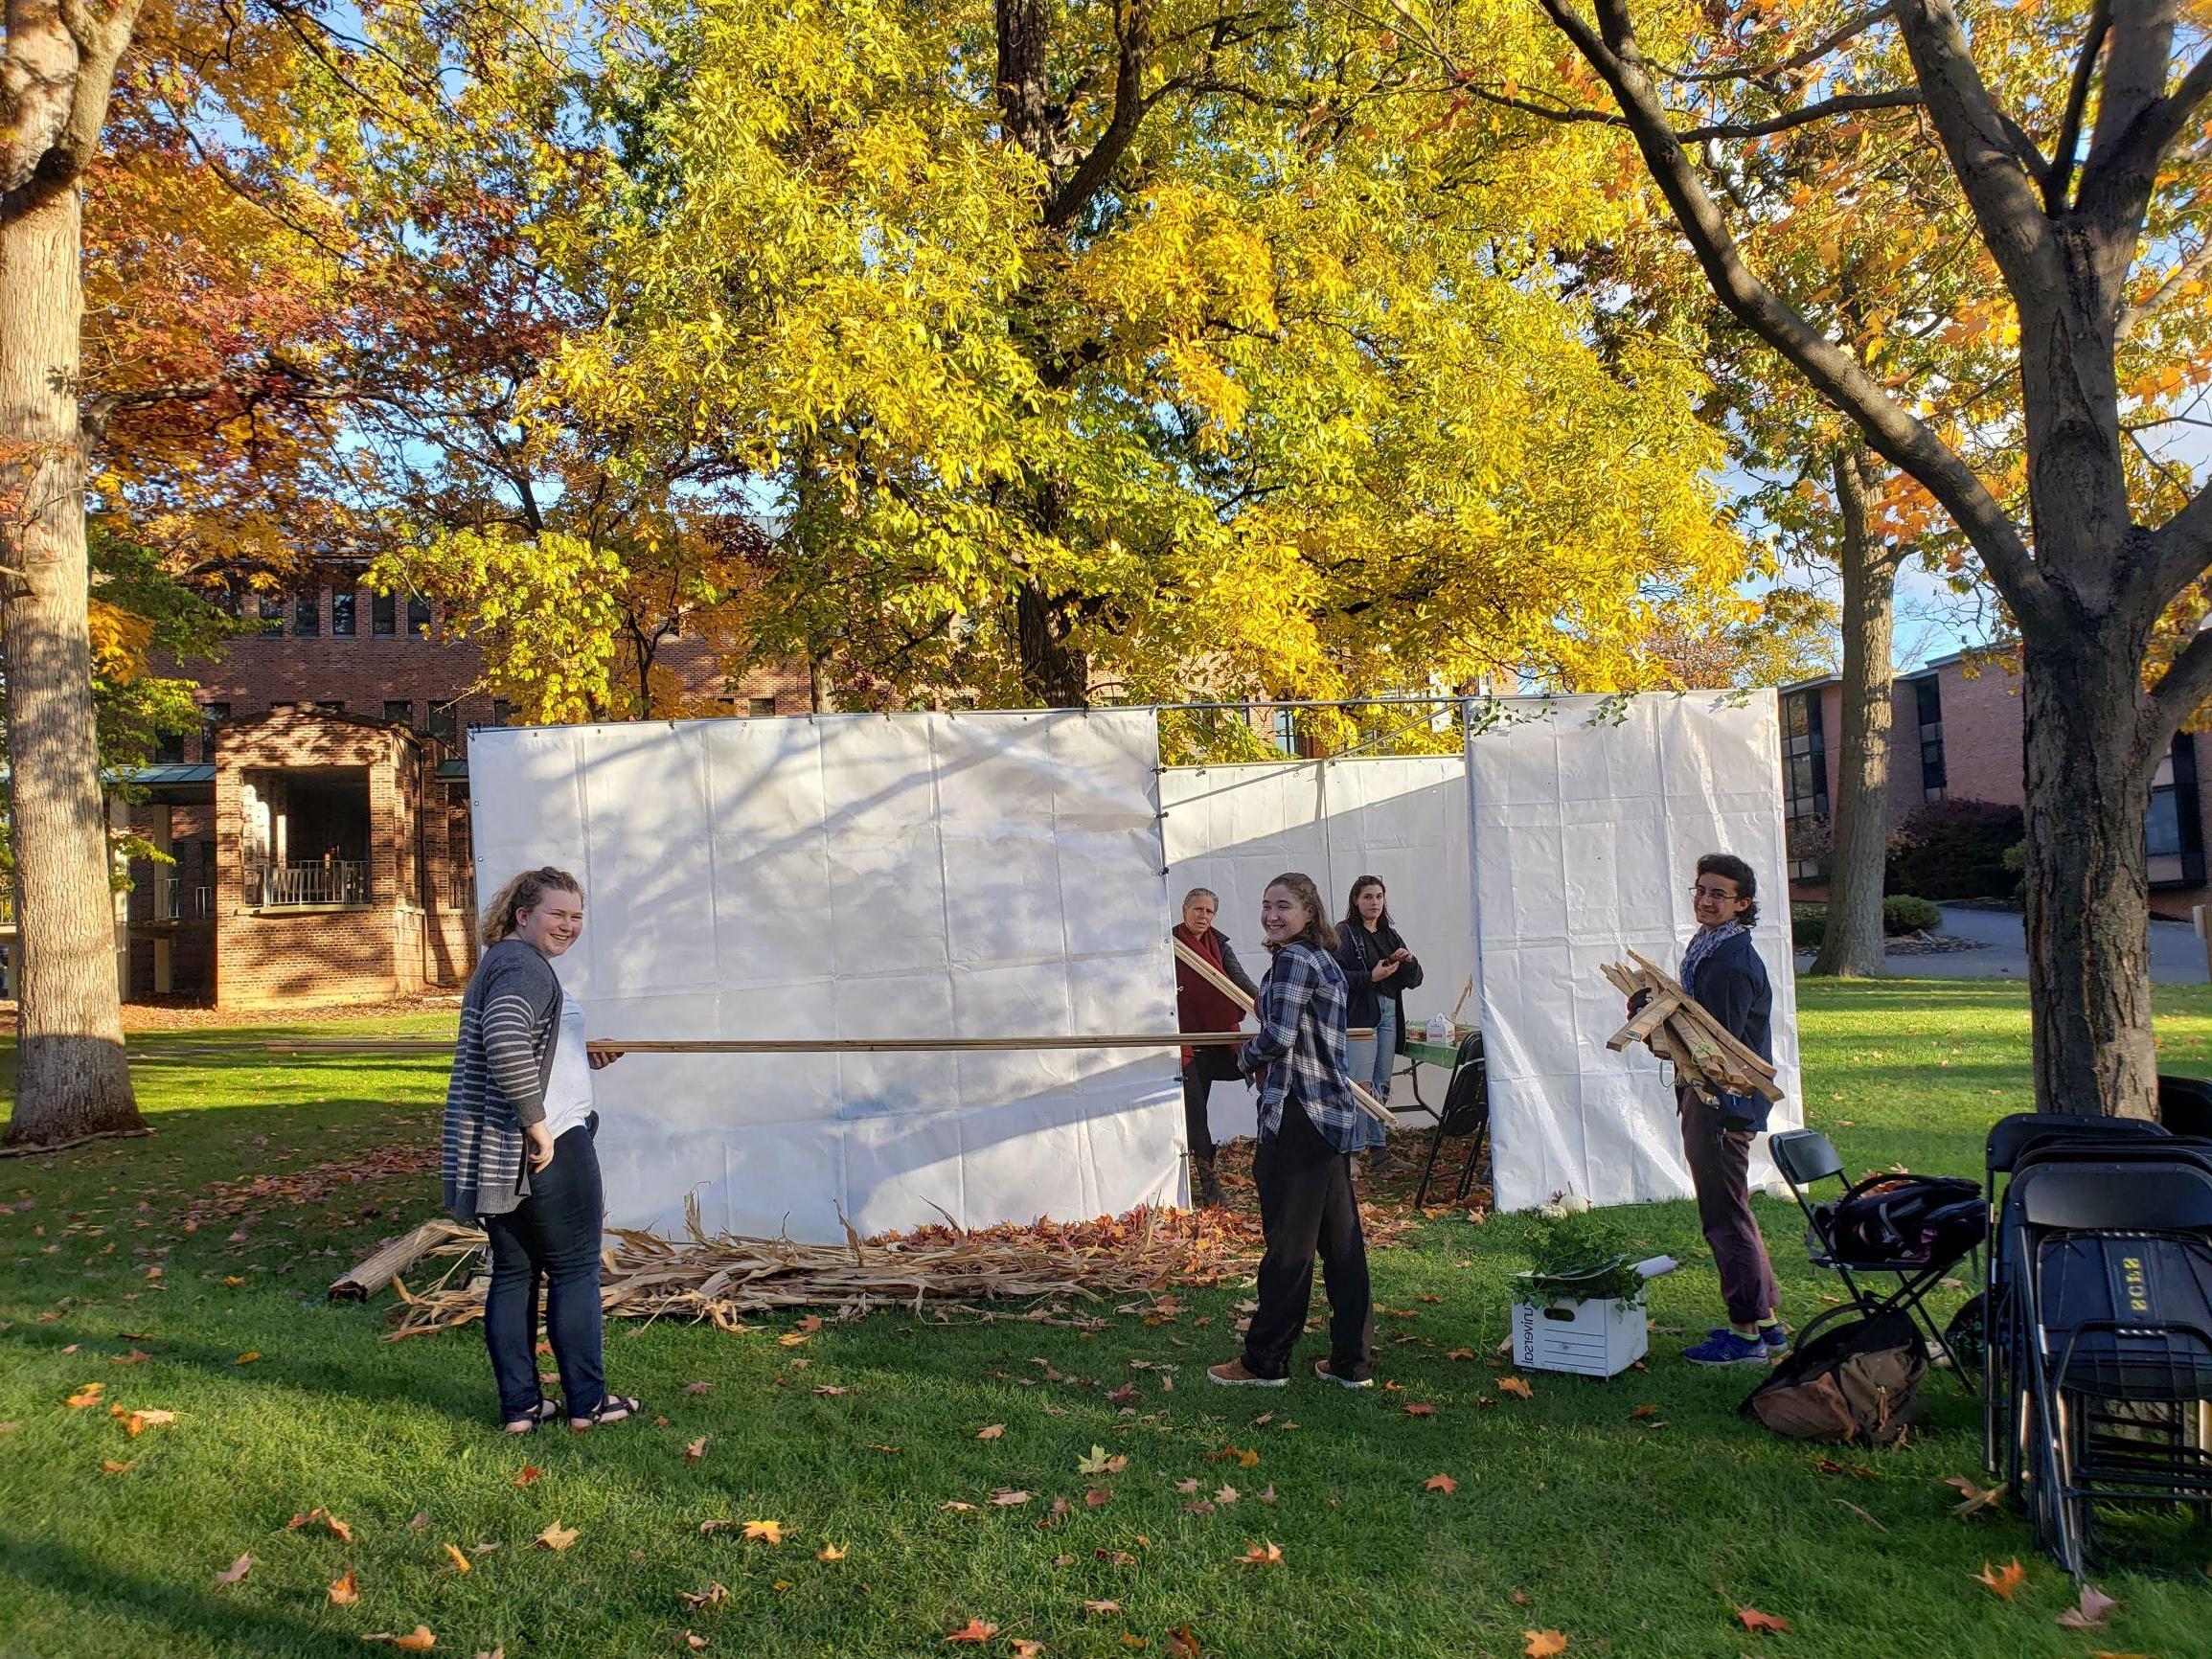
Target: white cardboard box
(1596, 1339)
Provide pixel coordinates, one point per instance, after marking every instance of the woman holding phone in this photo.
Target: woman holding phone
(1380, 972)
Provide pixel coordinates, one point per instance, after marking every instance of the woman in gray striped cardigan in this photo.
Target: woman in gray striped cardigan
(519, 1155)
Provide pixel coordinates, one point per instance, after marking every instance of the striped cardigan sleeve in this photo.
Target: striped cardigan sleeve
(510, 1020)
(512, 1016)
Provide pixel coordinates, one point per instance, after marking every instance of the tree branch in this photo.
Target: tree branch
(1849, 30)
(96, 411)
(2181, 548)
(2123, 166)
(2181, 690)
(1843, 103)
(57, 72)
(2061, 174)
(1982, 153)
(2192, 269)
(1133, 44)
(1889, 429)
(2136, 68)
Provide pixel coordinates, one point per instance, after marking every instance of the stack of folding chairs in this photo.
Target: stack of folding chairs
(2098, 1307)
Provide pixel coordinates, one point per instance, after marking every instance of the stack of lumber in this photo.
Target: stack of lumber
(1679, 1030)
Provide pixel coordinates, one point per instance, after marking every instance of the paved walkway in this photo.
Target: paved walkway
(2176, 953)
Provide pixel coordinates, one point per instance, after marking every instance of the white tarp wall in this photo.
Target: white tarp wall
(1234, 827)
(851, 876)
(1586, 841)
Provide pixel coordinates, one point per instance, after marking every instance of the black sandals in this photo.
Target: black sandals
(612, 1408)
(547, 1411)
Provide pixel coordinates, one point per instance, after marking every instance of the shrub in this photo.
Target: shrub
(1953, 850)
(1902, 913)
(1808, 925)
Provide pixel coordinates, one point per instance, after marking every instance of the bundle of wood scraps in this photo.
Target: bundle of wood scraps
(723, 1277)
(1704, 1053)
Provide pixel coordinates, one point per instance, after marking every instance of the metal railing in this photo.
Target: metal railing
(170, 901)
(332, 882)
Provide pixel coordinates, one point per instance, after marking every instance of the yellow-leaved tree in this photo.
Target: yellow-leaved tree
(1138, 350)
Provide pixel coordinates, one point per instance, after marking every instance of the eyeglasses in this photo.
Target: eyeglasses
(1714, 893)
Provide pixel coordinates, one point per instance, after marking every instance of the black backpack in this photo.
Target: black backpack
(1895, 1218)
(1858, 1380)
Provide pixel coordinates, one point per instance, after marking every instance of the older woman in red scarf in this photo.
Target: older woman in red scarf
(1201, 1006)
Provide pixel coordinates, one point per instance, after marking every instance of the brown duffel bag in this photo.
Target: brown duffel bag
(1859, 1381)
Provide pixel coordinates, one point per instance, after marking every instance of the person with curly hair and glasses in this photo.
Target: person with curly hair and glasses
(1722, 969)
(1311, 1126)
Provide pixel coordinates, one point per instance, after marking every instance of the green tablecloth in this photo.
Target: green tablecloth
(1445, 1055)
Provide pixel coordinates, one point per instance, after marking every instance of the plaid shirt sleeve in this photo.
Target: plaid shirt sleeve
(1282, 1002)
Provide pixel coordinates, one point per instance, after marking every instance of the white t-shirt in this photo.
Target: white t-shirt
(568, 1090)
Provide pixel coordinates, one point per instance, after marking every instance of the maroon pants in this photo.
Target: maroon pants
(1719, 1169)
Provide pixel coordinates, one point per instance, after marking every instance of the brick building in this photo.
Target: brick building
(1957, 735)
(319, 821)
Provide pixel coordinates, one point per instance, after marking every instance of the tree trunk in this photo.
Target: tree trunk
(72, 1078)
(1056, 675)
(2087, 887)
(1850, 946)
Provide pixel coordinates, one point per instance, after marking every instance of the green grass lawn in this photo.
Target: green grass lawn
(1632, 1535)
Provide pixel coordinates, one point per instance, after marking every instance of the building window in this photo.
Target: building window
(304, 837)
(399, 714)
(761, 708)
(169, 748)
(215, 713)
(383, 615)
(342, 612)
(331, 705)
(442, 724)
(272, 615)
(1927, 707)
(1287, 731)
(1804, 773)
(2173, 830)
(307, 615)
(418, 616)
(502, 712)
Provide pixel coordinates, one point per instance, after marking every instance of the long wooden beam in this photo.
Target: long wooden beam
(1235, 993)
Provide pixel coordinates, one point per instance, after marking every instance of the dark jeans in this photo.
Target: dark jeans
(1208, 1066)
(1720, 1168)
(555, 1233)
(1307, 1205)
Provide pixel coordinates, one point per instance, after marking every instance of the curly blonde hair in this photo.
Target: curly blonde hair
(521, 893)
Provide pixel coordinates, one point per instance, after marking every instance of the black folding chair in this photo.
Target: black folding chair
(2033, 1136)
(2004, 1389)
(1466, 1111)
(1805, 1157)
(2111, 1281)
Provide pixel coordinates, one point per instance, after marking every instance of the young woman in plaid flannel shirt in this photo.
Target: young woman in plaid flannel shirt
(1309, 1128)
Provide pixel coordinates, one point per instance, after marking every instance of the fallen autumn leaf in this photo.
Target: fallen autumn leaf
(2090, 1612)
